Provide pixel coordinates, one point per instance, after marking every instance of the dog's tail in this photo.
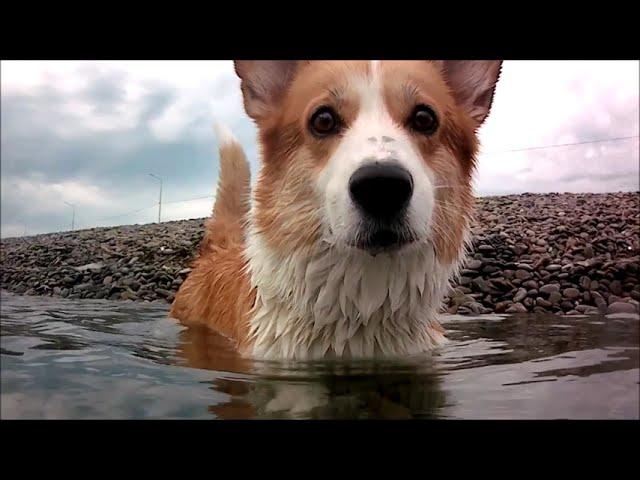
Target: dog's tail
(233, 193)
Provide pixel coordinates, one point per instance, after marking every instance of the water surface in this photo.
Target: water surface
(65, 359)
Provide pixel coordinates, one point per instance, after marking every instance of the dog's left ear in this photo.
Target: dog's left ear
(472, 83)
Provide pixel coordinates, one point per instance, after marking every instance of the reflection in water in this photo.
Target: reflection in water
(319, 390)
(101, 359)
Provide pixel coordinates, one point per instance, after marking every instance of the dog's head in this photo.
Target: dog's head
(371, 155)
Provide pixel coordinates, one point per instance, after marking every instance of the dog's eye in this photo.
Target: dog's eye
(324, 122)
(423, 119)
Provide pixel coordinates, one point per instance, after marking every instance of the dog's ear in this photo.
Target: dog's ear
(263, 83)
(472, 83)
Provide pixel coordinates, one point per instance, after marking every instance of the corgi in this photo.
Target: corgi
(360, 215)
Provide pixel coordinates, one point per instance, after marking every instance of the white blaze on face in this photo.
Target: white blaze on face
(373, 137)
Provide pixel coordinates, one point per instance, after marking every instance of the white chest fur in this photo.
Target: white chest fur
(344, 302)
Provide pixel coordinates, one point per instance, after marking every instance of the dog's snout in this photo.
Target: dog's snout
(381, 190)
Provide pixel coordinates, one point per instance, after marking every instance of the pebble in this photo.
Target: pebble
(525, 256)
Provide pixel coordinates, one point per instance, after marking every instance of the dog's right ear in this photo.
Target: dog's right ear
(263, 83)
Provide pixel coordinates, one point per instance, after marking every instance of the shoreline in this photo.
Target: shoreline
(559, 253)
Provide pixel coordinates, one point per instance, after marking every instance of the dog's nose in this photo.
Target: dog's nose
(382, 190)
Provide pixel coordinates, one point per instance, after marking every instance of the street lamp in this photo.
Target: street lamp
(160, 200)
(73, 218)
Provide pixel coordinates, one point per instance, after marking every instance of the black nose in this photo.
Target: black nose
(382, 190)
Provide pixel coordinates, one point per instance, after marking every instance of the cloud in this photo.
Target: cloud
(90, 133)
(549, 103)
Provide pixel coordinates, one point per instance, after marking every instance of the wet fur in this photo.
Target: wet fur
(276, 277)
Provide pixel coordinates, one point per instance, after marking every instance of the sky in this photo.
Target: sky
(89, 133)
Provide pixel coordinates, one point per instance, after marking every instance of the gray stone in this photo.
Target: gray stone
(615, 287)
(571, 293)
(622, 307)
(516, 308)
(520, 295)
(555, 298)
(472, 264)
(543, 303)
(549, 289)
(600, 302)
(523, 275)
(93, 267)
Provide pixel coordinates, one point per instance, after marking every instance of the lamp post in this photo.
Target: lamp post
(160, 200)
(73, 218)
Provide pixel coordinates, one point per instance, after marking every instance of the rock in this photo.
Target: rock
(83, 287)
(543, 303)
(164, 293)
(474, 264)
(520, 295)
(516, 308)
(613, 299)
(524, 266)
(93, 267)
(488, 269)
(600, 302)
(540, 244)
(588, 251)
(585, 283)
(615, 287)
(555, 298)
(566, 305)
(549, 289)
(622, 307)
(462, 299)
(502, 306)
(571, 293)
(477, 308)
(128, 295)
(501, 284)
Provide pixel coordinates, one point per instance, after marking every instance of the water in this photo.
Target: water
(111, 360)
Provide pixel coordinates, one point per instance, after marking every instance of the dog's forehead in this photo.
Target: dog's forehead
(366, 81)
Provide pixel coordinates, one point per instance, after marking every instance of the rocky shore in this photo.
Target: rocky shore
(560, 253)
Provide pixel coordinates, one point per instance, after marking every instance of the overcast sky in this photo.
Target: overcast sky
(89, 133)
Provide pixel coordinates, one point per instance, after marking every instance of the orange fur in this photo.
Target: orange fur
(217, 294)
(450, 153)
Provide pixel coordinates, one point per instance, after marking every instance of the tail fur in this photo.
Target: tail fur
(233, 193)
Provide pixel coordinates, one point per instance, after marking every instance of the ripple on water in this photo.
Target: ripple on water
(102, 359)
